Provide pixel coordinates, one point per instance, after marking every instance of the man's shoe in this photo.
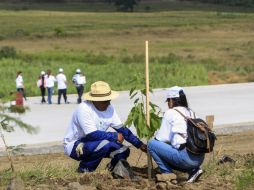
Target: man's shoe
(82, 170)
(109, 167)
(122, 170)
(195, 175)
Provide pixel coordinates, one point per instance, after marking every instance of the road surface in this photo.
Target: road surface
(231, 104)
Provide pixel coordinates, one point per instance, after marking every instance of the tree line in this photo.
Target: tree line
(121, 5)
(227, 2)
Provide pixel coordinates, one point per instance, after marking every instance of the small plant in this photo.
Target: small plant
(8, 124)
(137, 114)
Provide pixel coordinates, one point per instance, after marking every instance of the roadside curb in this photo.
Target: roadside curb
(233, 128)
(57, 147)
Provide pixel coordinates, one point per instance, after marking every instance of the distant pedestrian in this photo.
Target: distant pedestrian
(62, 86)
(41, 83)
(79, 80)
(50, 80)
(20, 84)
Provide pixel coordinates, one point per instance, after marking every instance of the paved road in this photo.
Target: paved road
(231, 104)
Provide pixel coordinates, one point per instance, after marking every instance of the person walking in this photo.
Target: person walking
(41, 83)
(62, 86)
(79, 80)
(87, 139)
(20, 84)
(50, 82)
(168, 147)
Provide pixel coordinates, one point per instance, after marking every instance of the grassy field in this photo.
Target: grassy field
(190, 43)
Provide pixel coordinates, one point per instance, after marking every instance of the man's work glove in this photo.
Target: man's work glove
(79, 149)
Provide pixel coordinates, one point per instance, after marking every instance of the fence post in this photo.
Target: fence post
(209, 120)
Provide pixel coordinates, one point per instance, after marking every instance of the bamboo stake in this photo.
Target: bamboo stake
(147, 88)
(149, 160)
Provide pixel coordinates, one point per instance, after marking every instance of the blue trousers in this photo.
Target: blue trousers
(95, 151)
(50, 92)
(168, 158)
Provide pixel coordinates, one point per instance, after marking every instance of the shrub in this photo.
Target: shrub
(8, 52)
(59, 31)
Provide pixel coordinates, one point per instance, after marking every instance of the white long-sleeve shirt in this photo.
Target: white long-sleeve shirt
(50, 80)
(19, 82)
(87, 119)
(173, 128)
(61, 81)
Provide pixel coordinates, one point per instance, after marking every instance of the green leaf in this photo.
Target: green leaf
(28, 128)
(143, 91)
(136, 100)
(132, 90)
(134, 95)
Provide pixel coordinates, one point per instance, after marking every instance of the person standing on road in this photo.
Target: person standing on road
(79, 80)
(62, 86)
(87, 139)
(41, 83)
(50, 82)
(168, 147)
(20, 84)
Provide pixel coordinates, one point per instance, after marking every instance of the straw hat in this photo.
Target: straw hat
(100, 91)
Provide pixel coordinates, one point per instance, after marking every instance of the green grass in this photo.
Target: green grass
(210, 44)
(118, 71)
(246, 179)
(24, 24)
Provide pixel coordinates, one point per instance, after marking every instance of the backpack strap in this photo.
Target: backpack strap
(201, 127)
(185, 117)
(189, 119)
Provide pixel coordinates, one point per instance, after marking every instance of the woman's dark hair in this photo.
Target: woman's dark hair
(18, 73)
(181, 101)
(49, 72)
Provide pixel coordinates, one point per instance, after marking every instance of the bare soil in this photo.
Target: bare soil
(239, 147)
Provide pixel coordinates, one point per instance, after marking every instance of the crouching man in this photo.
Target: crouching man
(87, 139)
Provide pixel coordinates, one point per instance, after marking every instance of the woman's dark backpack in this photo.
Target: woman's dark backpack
(200, 138)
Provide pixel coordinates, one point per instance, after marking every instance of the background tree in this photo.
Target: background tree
(125, 5)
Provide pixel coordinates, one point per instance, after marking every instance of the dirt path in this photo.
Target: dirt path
(238, 146)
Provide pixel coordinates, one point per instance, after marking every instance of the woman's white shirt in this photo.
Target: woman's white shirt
(50, 80)
(173, 128)
(19, 82)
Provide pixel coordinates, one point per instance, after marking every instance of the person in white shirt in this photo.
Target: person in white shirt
(168, 147)
(50, 82)
(62, 86)
(87, 139)
(79, 81)
(20, 84)
(41, 83)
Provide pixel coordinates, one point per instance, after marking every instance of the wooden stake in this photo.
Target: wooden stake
(210, 120)
(149, 159)
(147, 88)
